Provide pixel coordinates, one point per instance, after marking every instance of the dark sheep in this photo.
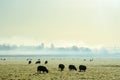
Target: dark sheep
(28, 59)
(3, 59)
(39, 59)
(37, 62)
(61, 67)
(72, 67)
(29, 62)
(82, 68)
(84, 59)
(91, 60)
(46, 62)
(42, 69)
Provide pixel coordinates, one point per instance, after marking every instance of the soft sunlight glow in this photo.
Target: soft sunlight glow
(92, 22)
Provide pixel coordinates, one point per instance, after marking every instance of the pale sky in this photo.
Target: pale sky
(95, 22)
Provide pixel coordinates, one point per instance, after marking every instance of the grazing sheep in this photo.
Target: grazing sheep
(72, 67)
(3, 59)
(38, 59)
(37, 62)
(42, 69)
(84, 60)
(61, 67)
(82, 68)
(91, 60)
(28, 59)
(29, 62)
(46, 62)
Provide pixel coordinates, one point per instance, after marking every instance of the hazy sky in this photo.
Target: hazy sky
(95, 22)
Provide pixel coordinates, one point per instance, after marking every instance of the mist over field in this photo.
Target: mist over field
(52, 50)
(28, 23)
(48, 33)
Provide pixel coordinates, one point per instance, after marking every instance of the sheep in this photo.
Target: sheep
(42, 69)
(84, 59)
(37, 62)
(82, 68)
(91, 60)
(46, 62)
(72, 67)
(29, 62)
(61, 67)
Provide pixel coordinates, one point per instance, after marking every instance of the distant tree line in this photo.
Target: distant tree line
(42, 47)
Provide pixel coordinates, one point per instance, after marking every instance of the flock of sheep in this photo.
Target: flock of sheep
(37, 62)
(60, 66)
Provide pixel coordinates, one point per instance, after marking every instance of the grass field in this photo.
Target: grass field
(99, 69)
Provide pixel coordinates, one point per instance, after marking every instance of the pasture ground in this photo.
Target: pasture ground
(99, 69)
